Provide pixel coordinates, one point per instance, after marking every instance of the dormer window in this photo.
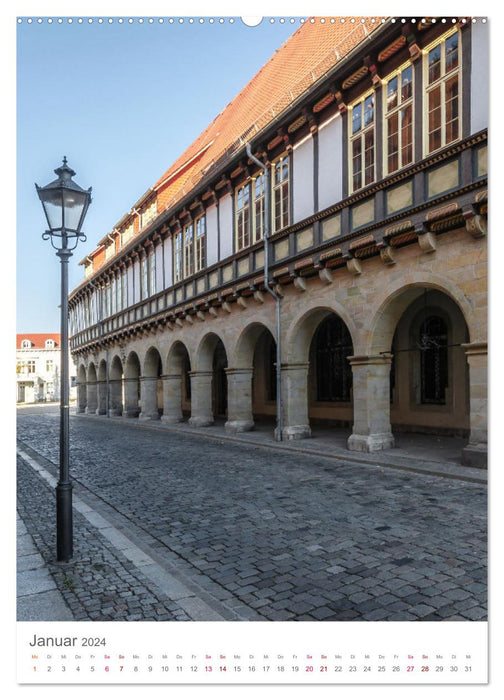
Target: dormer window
(49, 344)
(26, 344)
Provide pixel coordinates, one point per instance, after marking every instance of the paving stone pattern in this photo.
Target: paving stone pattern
(291, 536)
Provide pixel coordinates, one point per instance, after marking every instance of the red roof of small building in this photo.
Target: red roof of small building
(37, 339)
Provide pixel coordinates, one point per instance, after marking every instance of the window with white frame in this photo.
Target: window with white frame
(152, 273)
(280, 193)
(398, 122)
(148, 214)
(26, 344)
(362, 142)
(200, 252)
(189, 252)
(144, 277)
(242, 216)
(127, 233)
(49, 344)
(249, 212)
(442, 92)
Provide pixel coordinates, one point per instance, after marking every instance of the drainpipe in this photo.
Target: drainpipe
(276, 297)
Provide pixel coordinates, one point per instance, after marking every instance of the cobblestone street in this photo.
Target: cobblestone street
(249, 532)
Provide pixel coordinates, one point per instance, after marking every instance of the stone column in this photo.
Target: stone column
(131, 398)
(102, 398)
(371, 403)
(91, 398)
(295, 421)
(172, 398)
(148, 398)
(201, 399)
(474, 453)
(115, 403)
(81, 398)
(240, 418)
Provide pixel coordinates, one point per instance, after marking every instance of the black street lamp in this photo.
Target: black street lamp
(65, 205)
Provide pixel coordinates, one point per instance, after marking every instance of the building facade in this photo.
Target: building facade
(38, 367)
(333, 218)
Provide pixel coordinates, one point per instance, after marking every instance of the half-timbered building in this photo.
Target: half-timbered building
(331, 221)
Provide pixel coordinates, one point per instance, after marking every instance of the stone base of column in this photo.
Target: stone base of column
(115, 412)
(130, 414)
(149, 416)
(475, 455)
(239, 426)
(171, 419)
(201, 421)
(370, 443)
(294, 432)
(90, 411)
(80, 410)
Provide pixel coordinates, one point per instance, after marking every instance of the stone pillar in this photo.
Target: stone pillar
(474, 453)
(115, 402)
(148, 398)
(240, 418)
(91, 398)
(172, 398)
(102, 398)
(81, 398)
(371, 403)
(295, 421)
(131, 398)
(201, 399)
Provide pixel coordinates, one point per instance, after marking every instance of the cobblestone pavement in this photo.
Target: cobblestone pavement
(256, 533)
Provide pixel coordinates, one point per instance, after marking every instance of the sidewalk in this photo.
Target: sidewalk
(37, 595)
(414, 452)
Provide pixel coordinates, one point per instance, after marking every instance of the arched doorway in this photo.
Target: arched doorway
(132, 386)
(151, 386)
(219, 381)
(102, 388)
(92, 390)
(116, 377)
(81, 390)
(177, 384)
(429, 373)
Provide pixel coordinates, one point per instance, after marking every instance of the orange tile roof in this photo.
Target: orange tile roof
(305, 57)
(38, 339)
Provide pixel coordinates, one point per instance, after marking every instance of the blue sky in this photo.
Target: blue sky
(121, 101)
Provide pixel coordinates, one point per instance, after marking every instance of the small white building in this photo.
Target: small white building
(38, 363)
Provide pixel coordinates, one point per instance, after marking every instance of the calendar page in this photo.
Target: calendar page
(251, 354)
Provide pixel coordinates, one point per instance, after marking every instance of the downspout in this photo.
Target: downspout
(267, 219)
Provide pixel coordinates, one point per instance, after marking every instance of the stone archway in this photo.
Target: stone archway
(92, 390)
(132, 386)
(102, 388)
(81, 389)
(151, 385)
(209, 381)
(116, 377)
(299, 372)
(177, 384)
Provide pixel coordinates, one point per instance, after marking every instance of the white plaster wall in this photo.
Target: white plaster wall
(168, 261)
(212, 235)
(479, 76)
(129, 278)
(226, 226)
(159, 268)
(330, 189)
(302, 191)
(136, 277)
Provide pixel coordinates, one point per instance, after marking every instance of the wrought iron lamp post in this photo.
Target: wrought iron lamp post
(65, 205)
